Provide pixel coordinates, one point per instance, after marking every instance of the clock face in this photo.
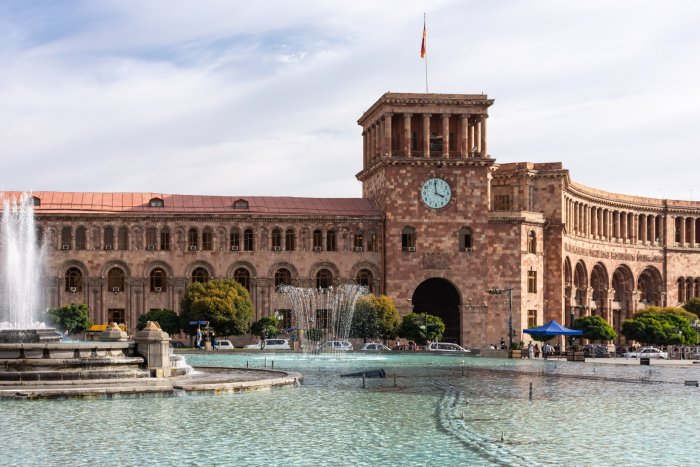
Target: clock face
(436, 193)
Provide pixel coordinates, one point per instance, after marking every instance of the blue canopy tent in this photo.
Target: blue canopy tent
(552, 328)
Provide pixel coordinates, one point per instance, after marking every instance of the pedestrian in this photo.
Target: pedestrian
(530, 350)
(537, 351)
(198, 339)
(503, 344)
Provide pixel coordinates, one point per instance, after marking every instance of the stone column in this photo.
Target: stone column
(652, 230)
(691, 240)
(483, 147)
(594, 222)
(381, 139)
(387, 134)
(154, 345)
(426, 135)
(407, 134)
(623, 226)
(445, 135)
(365, 137)
(464, 130)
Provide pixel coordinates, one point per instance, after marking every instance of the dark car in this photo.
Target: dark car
(178, 345)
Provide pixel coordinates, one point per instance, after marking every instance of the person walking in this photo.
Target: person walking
(537, 351)
(530, 350)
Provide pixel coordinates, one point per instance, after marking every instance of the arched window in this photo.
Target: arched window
(80, 238)
(192, 239)
(681, 290)
(235, 239)
(158, 280)
(207, 240)
(408, 239)
(372, 241)
(318, 240)
(366, 279)
(151, 238)
(358, 241)
(123, 238)
(66, 238)
(289, 240)
(276, 239)
(465, 239)
(283, 277)
(532, 242)
(242, 276)
(74, 280)
(324, 279)
(331, 244)
(165, 239)
(115, 280)
(248, 244)
(108, 238)
(200, 275)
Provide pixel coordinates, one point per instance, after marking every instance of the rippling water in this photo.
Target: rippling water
(581, 414)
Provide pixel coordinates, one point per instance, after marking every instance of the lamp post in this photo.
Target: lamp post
(498, 291)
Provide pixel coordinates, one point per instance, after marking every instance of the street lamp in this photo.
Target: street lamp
(510, 311)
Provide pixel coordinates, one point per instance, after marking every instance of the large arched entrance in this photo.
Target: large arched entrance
(439, 297)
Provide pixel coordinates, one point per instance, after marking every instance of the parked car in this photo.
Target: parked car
(178, 345)
(596, 350)
(270, 344)
(223, 345)
(374, 346)
(446, 347)
(646, 352)
(335, 345)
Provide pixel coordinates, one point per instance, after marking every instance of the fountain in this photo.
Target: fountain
(34, 364)
(22, 261)
(329, 309)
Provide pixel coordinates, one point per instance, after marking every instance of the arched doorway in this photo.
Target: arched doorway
(439, 297)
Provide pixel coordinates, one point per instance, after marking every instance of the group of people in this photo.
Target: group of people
(533, 351)
(198, 342)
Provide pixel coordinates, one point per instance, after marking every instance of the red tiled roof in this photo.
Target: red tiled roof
(68, 202)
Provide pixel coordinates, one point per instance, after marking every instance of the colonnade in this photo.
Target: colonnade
(425, 135)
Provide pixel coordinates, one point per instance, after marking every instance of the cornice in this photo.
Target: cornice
(383, 162)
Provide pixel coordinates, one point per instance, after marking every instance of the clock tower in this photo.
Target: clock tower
(426, 165)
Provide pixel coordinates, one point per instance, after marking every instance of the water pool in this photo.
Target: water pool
(443, 410)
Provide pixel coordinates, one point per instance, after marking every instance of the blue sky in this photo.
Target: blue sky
(239, 98)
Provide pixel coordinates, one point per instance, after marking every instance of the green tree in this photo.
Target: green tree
(168, 320)
(667, 326)
(693, 306)
(267, 326)
(594, 328)
(421, 327)
(375, 317)
(223, 302)
(314, 334)
(72, 318)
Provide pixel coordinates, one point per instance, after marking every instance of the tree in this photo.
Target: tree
(375, 317)
(223, 302)
(421, 327)
(594, 328)
(667, 326)
(693, 306)
(315, 334)
(71, 318)
(168, 320)
(265, 327)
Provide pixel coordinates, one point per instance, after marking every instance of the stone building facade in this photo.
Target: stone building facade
(439, 223)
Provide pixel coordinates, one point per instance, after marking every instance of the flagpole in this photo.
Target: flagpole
(425, 40)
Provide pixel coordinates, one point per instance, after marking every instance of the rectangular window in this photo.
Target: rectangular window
(285, 318)
(453, 142)
(531, 198)
(531, 318)
(372, 242)
(532, 281)
(165, 240)
(501, 202)
(322, 315)
(235, 240)
(330, 241)
(116, 315)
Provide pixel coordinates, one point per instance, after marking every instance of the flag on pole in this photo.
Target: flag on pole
(422, 45)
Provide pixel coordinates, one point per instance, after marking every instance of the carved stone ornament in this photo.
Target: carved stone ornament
(436, 260)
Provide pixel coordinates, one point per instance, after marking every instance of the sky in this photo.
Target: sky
(225, 97)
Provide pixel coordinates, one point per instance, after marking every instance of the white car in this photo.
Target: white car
(374, 346)
(446, 347)
(329, 346)
(271, 344)
(646, 352)
(223, 345)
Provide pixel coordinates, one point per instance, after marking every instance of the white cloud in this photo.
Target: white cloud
(223, 98)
